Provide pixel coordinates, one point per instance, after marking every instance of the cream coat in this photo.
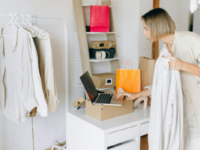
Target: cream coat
(47, 73)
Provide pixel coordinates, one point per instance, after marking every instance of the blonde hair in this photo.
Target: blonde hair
(159, 23)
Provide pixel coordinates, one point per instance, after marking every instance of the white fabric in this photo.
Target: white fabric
(191, 141)
(166, 116)
(186, 47)
(47, 73)
(17, 92)
(21, 88)
(39, 95)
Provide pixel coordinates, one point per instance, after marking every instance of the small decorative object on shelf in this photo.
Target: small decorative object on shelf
(110, 53)
(102, 44)
(87, 28)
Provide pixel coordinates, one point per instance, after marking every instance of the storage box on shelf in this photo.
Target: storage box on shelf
(104, 80)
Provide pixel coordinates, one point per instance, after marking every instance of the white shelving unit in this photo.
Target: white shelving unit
(84, 38)
(101, 60)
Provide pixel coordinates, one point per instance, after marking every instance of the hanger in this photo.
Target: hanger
(17, 20)
(23, 24)
(34, 20)
(41, 33)
(29, 26)
(35, 27)
(9, 24)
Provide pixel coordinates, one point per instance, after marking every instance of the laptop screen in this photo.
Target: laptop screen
(89, 85)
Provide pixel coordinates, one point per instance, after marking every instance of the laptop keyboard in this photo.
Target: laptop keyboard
(104, 98)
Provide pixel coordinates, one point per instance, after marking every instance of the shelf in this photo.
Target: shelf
(88, 5)
(100, 32)
(101, 60)
(79, 84)
(93, 33)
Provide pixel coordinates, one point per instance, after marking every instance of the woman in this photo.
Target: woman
(185, 57)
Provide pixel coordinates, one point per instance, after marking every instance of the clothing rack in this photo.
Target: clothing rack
(66, 60)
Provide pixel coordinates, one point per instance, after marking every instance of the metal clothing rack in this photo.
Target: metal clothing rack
(66, 60)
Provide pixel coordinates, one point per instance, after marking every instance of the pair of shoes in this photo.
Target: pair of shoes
(136, 102)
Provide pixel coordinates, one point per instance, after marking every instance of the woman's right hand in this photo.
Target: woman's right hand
(129, 96)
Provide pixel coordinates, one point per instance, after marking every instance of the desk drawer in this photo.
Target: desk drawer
(128, 146)
(122, 135)
(144, 128)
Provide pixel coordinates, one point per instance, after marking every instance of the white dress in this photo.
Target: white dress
(191, 141)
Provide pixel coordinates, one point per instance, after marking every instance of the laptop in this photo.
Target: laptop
(98, 98)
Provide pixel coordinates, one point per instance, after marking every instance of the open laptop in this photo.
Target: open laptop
(98, 98)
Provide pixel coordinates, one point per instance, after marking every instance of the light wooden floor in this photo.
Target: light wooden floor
(143, 144)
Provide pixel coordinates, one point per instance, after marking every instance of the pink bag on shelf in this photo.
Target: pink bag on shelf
(99, 18)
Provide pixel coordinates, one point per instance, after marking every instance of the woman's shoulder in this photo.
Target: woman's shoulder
(186, 34)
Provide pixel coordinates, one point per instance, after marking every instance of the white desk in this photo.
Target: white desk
(86, 133)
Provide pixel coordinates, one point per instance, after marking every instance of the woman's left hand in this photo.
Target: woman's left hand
(175, 63)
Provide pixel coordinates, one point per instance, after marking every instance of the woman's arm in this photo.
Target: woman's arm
(178, 64)
(194, 69)
(132, 96)
(146, 92)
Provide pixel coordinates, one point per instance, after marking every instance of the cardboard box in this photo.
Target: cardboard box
(79, 102)
(105, 112)
(104, 80)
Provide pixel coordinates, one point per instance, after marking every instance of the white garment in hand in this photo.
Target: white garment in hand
(191, 141)
(166, 116)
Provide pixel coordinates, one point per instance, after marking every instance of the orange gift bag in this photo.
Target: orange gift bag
(128, 79)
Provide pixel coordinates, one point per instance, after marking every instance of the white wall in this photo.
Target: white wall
(53, 128)
(145, 45)
(135, 43)
(179, 10)
(1, 130)
(131, 32)
(196, 22)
